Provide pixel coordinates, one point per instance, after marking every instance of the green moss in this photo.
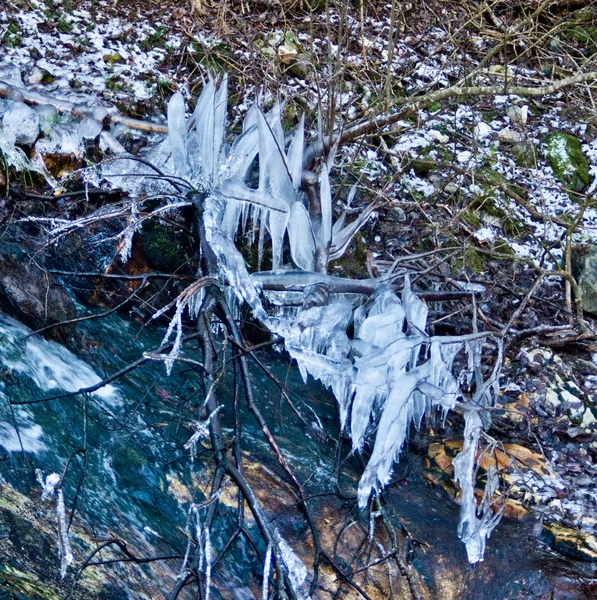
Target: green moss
(567, 161)
(112, 58)
(162, 247)
(469, 218)
(502, 247)
(19, 584)
(435, 107)
(63, 26)
(474, 260)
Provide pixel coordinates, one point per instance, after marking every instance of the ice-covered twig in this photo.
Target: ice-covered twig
(52, 486)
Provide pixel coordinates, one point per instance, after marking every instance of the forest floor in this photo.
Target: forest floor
(468, 194)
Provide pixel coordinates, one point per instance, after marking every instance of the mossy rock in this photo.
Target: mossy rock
(470, 219)
(18, 584)
(568, 162)
(164, 247)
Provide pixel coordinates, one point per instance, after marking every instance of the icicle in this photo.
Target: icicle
(297, 572)
(267, 566)
(473, 531)
(49, 489)
(177, 134)
(209, 557)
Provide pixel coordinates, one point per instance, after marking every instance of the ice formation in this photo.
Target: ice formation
(52, 487)
(386, 375)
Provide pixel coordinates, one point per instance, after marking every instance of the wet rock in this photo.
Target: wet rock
(584, 270)
(570, 542)
(569, 164)
(527, 474)
(32, 295)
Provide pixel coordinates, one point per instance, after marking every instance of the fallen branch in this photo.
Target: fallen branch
(415, 104)
(80, 110)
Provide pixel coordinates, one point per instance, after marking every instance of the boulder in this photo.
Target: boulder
(567, 161)
(33, 295)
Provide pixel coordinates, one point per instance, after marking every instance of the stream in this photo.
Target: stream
(135, 481)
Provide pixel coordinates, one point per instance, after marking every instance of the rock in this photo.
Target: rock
(584, 270)
(33, 295)
(518, 114)
(509, 136)
(287, 54)
(567, 161)
(526, 473)
(482, 131)
(570, 542)
(439, 137)
(21, 123)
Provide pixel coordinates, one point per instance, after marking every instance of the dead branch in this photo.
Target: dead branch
(80, 110)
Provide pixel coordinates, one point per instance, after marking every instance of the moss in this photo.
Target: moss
(567, 161)
(163, 248)
(435, 107)
(112, 58)
(63, 26)
(472, 259)
(502, 247)
(469, 218)
(19, 584)
(353, 262)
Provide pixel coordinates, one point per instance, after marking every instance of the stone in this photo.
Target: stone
(287, 54)
(33, 295)
(567, 161)
(509, 136)
(21, 123)
(518, 114)
(570, 542)
(482, 131)
(584, 270)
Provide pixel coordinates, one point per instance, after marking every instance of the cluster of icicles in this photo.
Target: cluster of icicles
(389, 374)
